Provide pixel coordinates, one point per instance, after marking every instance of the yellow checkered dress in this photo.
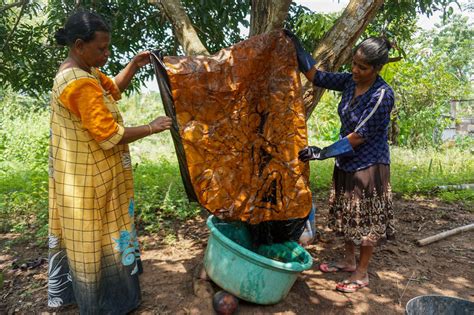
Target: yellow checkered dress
(94, 259)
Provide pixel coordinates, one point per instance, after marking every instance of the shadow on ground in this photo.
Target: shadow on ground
(400, 270)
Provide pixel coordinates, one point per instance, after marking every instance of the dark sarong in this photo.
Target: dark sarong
(361, 206)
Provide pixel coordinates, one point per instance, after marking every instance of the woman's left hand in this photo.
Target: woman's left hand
(141, 59)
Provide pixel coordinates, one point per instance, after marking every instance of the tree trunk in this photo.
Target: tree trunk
(393, 131)
(267, 15)
(182, 26)
(336, 46)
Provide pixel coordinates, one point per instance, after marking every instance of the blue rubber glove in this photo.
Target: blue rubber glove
(338, 148)
(305, 60)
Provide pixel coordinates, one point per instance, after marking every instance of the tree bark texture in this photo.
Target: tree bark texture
(336, 46)
(267, 15)
(182, 26)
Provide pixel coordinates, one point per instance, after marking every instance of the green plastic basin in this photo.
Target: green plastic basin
(231, 264)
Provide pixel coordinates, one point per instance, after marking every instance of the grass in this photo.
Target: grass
(159, 192)
(421, 170)
(160, 195)
(416, 172)
(24, 202)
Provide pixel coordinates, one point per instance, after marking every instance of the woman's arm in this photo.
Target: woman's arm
(125, 76)
(355, 139)
(132, 134)
(307, 66)
(311, 73)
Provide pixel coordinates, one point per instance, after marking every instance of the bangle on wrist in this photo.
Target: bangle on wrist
(150, 130)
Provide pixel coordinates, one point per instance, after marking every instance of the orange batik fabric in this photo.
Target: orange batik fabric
(94, 258)
(241, 122)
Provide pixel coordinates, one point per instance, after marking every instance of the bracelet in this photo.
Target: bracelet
(150, 130)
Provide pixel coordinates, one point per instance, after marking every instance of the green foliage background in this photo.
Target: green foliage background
(436, 67)
(160, 195)
(29, 55)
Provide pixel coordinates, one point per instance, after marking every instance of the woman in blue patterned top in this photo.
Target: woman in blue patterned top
(361, 202)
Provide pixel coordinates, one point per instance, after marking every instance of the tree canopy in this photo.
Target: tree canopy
(29, 57)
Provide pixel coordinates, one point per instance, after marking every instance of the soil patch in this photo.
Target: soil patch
(400, 270)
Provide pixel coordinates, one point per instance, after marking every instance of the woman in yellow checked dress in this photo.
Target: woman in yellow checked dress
(94, 258)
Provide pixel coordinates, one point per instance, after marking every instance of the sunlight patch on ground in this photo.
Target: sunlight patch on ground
(338, 299)
(168, 265)
(461, 283)
(5, 261)
(382, 299)
(314, 300)
(360, 300)
(442, 291)
(424, 291)
(391, 276)
(431, 204)
(9, 236)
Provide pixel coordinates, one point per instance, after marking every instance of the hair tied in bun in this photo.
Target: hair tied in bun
(61, 36)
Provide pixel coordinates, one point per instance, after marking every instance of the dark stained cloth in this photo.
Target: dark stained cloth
(240, 120)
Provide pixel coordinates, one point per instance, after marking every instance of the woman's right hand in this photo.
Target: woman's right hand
(161, 123)
(305, 60)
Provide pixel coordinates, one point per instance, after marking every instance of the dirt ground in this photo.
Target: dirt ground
(400, 270)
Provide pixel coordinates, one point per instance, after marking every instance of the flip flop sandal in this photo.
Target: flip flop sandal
(347, 286)
(331, 267)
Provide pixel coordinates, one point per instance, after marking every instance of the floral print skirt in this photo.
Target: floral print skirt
(361, 208)
(99, 270)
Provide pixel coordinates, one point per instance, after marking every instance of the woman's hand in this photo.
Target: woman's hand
(134, 133)
(306, 62)
(160, 124)
(141, 59)
(125, 76)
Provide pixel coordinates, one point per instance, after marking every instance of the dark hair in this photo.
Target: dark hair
(375, 50)
(81, 25)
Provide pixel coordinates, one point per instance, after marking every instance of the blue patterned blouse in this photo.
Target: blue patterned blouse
(375, 131)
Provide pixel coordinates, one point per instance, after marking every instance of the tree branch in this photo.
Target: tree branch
(394, 59)
(182, 26)
(267, 15)
(12, 5)
(23, 6)
(336, 46)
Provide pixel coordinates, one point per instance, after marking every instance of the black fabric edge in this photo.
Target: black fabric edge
(270, 232)
(168, 104)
